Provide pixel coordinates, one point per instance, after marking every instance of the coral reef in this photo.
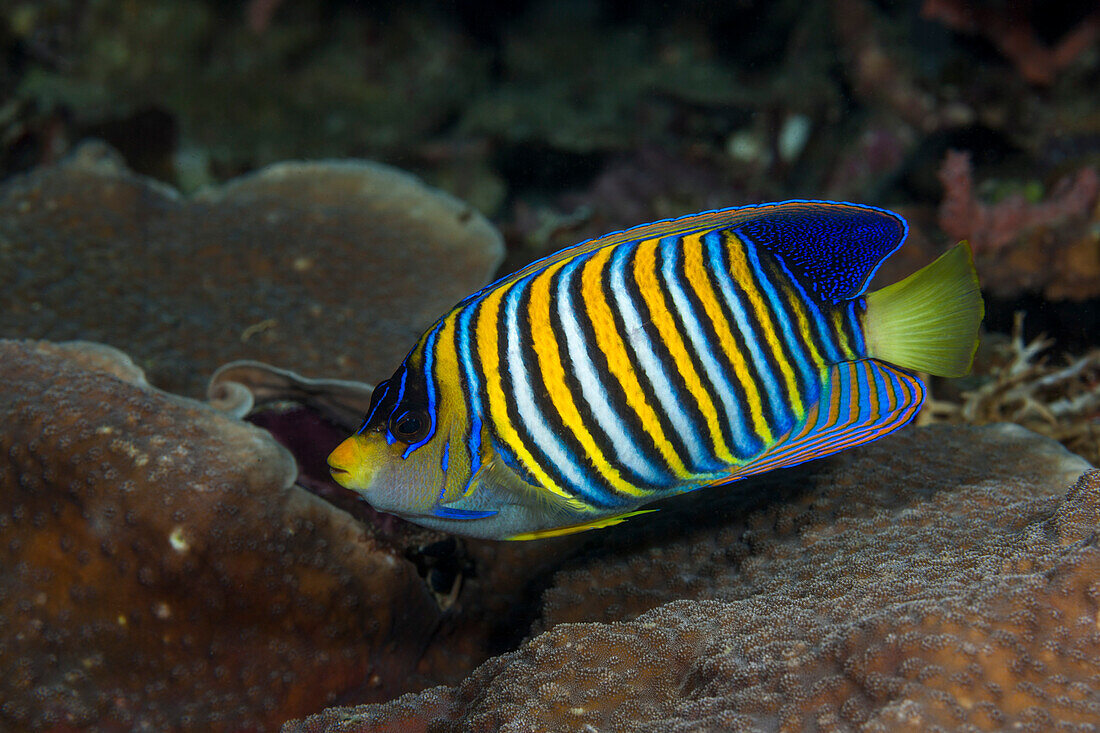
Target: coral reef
(322, 80)
(166, 566)
(319, 267)
(170, 564)
(935, 578)
(1050, 246)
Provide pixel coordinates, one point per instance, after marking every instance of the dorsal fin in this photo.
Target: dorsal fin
(833, 247)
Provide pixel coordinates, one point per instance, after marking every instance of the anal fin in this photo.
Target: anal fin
(861, 402)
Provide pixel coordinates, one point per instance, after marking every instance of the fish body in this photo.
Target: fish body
(655, 361)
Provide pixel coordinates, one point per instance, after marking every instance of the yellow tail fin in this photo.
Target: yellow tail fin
(929, 321)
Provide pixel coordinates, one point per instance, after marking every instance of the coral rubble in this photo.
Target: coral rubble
(941, 577)
(318, 267)
(1023, 386)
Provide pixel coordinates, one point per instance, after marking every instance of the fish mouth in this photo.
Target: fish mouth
(343, 458)
(349, 464)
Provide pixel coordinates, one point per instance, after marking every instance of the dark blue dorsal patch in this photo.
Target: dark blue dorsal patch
(834, 248)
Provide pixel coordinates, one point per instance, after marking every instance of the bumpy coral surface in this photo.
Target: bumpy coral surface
(159, 570)
(934, 580)
(317, 267)
(167, 566)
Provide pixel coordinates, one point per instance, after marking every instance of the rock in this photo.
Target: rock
(328, 268)
(937, 579)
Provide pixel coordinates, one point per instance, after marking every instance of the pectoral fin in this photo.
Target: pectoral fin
(445, 512)
(497, 484)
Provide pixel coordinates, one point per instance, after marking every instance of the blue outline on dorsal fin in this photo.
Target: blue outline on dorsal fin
(893, 226)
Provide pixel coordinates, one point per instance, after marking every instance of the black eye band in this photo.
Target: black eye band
(377, 398)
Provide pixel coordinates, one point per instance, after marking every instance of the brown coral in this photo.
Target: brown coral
(160, 570)
(1050, 246)
(319, 267)
(165, 565)
(933, 580)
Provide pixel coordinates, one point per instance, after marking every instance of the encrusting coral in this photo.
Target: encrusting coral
(317, 267)
(165, 565)
(937, 579)
(162, 568)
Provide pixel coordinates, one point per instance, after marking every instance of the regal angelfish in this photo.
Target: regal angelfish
(658, 360)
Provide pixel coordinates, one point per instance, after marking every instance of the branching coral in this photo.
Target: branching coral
(877, 74)
(1061, 401)
(1005, 25)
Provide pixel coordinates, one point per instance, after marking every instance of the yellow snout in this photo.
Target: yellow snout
(349, 466)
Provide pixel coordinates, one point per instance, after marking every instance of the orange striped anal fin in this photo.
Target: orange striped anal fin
(862, 401)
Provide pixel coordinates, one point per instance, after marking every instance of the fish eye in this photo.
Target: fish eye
(409, 426)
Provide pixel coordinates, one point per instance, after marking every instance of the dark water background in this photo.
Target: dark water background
(562, 120)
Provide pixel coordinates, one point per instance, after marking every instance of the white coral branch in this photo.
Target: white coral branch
(1062, 402)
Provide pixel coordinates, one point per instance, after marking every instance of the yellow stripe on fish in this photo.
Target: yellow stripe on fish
(645, 274)
(488, 341)
(610, 342)
(552, 368)
(743, 272)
